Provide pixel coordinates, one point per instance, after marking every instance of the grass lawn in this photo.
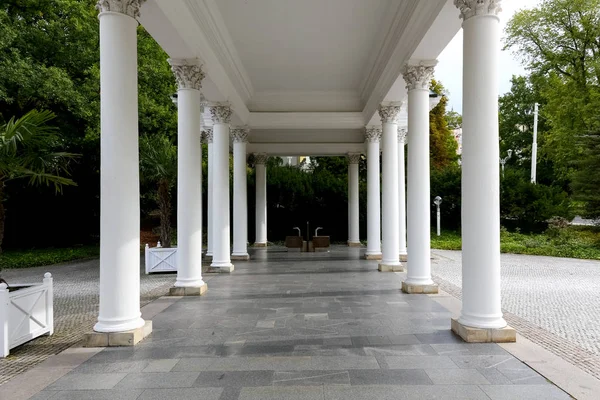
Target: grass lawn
(572, 242)
(40, 257)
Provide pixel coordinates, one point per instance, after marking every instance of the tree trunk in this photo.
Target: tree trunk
(164, 206)
(2, 215)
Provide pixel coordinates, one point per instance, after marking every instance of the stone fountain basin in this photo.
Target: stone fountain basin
(293, 242)
(321, 241)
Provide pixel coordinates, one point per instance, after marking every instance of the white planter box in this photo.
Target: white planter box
(25, 313)
(161, 259)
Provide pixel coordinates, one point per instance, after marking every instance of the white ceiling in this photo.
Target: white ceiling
(307, 45)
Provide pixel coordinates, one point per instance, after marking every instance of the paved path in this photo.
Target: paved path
(75, 309)
(559, 295)
(304, 327)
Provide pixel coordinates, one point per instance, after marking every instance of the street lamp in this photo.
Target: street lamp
(437, 201)
(503, 160)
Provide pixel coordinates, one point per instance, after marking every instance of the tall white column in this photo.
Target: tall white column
(373, 136)
(401, 195)
(209, 207)
(481, 306)
(260, 160)
(119, 169)
(389, 143)
(221, 261)
(240, 195)
(353, 203)
(189, 178)
(418, 275)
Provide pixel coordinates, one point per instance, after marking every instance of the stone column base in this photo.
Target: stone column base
(208, 257)
(479, 335)
(390, 268)
(403, 257)
(222, 269)
(188, 291)
(259, 245)
(240, 257)
(419, 289)
(354, 244)
(117, 339)
(373, 256)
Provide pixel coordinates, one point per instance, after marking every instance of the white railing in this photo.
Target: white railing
(161, 259)
(25, 313)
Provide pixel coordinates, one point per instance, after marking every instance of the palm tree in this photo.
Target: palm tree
(158, 164)
(28, 151)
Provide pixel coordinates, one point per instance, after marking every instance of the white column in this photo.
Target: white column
(189, 177)
(389, 143)
(481, 306)
(401, 195)
(373, 136)
(260, 160)
(119, 170)
(240, 195)
(221, 261)
(353, 203)
(209, 196)
(418, 275)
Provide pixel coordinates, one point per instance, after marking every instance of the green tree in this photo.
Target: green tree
(158, 165)
(442, 145)
(558, 42)
(28, 150)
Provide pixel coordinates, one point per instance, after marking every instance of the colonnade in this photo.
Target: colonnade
(119, 309)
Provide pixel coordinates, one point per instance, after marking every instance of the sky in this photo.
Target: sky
(449, 68)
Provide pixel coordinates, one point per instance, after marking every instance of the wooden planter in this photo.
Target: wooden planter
(160, 259)
(26, 312)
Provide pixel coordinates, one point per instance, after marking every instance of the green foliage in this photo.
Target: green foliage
(442, 145)
(158, 160)
(527, 205)
(42, 257)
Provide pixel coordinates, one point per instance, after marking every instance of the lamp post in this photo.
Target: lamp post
(534, 145)
(438, 201)
(503, 160)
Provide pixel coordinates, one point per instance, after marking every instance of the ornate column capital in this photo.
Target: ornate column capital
(208, 134)
(389, 113)
(240, 135)
(402, 135)
(220, 114)
(418, 77)
(353, 158)
(472, 8)
(373, 134)
(260, 158)
(188, 73)
(127, 7)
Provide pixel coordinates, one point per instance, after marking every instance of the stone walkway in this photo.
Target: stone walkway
(304, 326)
(555, 302)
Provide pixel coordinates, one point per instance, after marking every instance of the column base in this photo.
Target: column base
(373, 256)
(383, 267)
(226, 269)
(259, 244)
(117, 339)
(403, 257)
(354, 244)
(479, 335)
(240, 257)
(188, 290)
(208, 257)
(419, 289)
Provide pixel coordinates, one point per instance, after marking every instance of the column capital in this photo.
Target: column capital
(473, 8)
(402, 135)
(418, 76)
(353, 158)
(240, 135)
(260, 158)
(188, 73)
(207, 133)
(220, 114)
(373, 134)
(127, 7)
(389, 113)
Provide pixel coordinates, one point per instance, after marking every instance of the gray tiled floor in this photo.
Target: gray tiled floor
(304, 326)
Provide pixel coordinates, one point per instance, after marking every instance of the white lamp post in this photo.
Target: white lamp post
(503, 160)
(438, 201)
(534, 145)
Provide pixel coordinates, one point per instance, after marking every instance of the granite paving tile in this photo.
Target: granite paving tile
(182, 393)
(158, 380)
(389, 377)
(311, 378)
(97, 381)
(234, 378)
(419, 362)
(524, 392)
(456, 377)
(110, 394)
(283, 393)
